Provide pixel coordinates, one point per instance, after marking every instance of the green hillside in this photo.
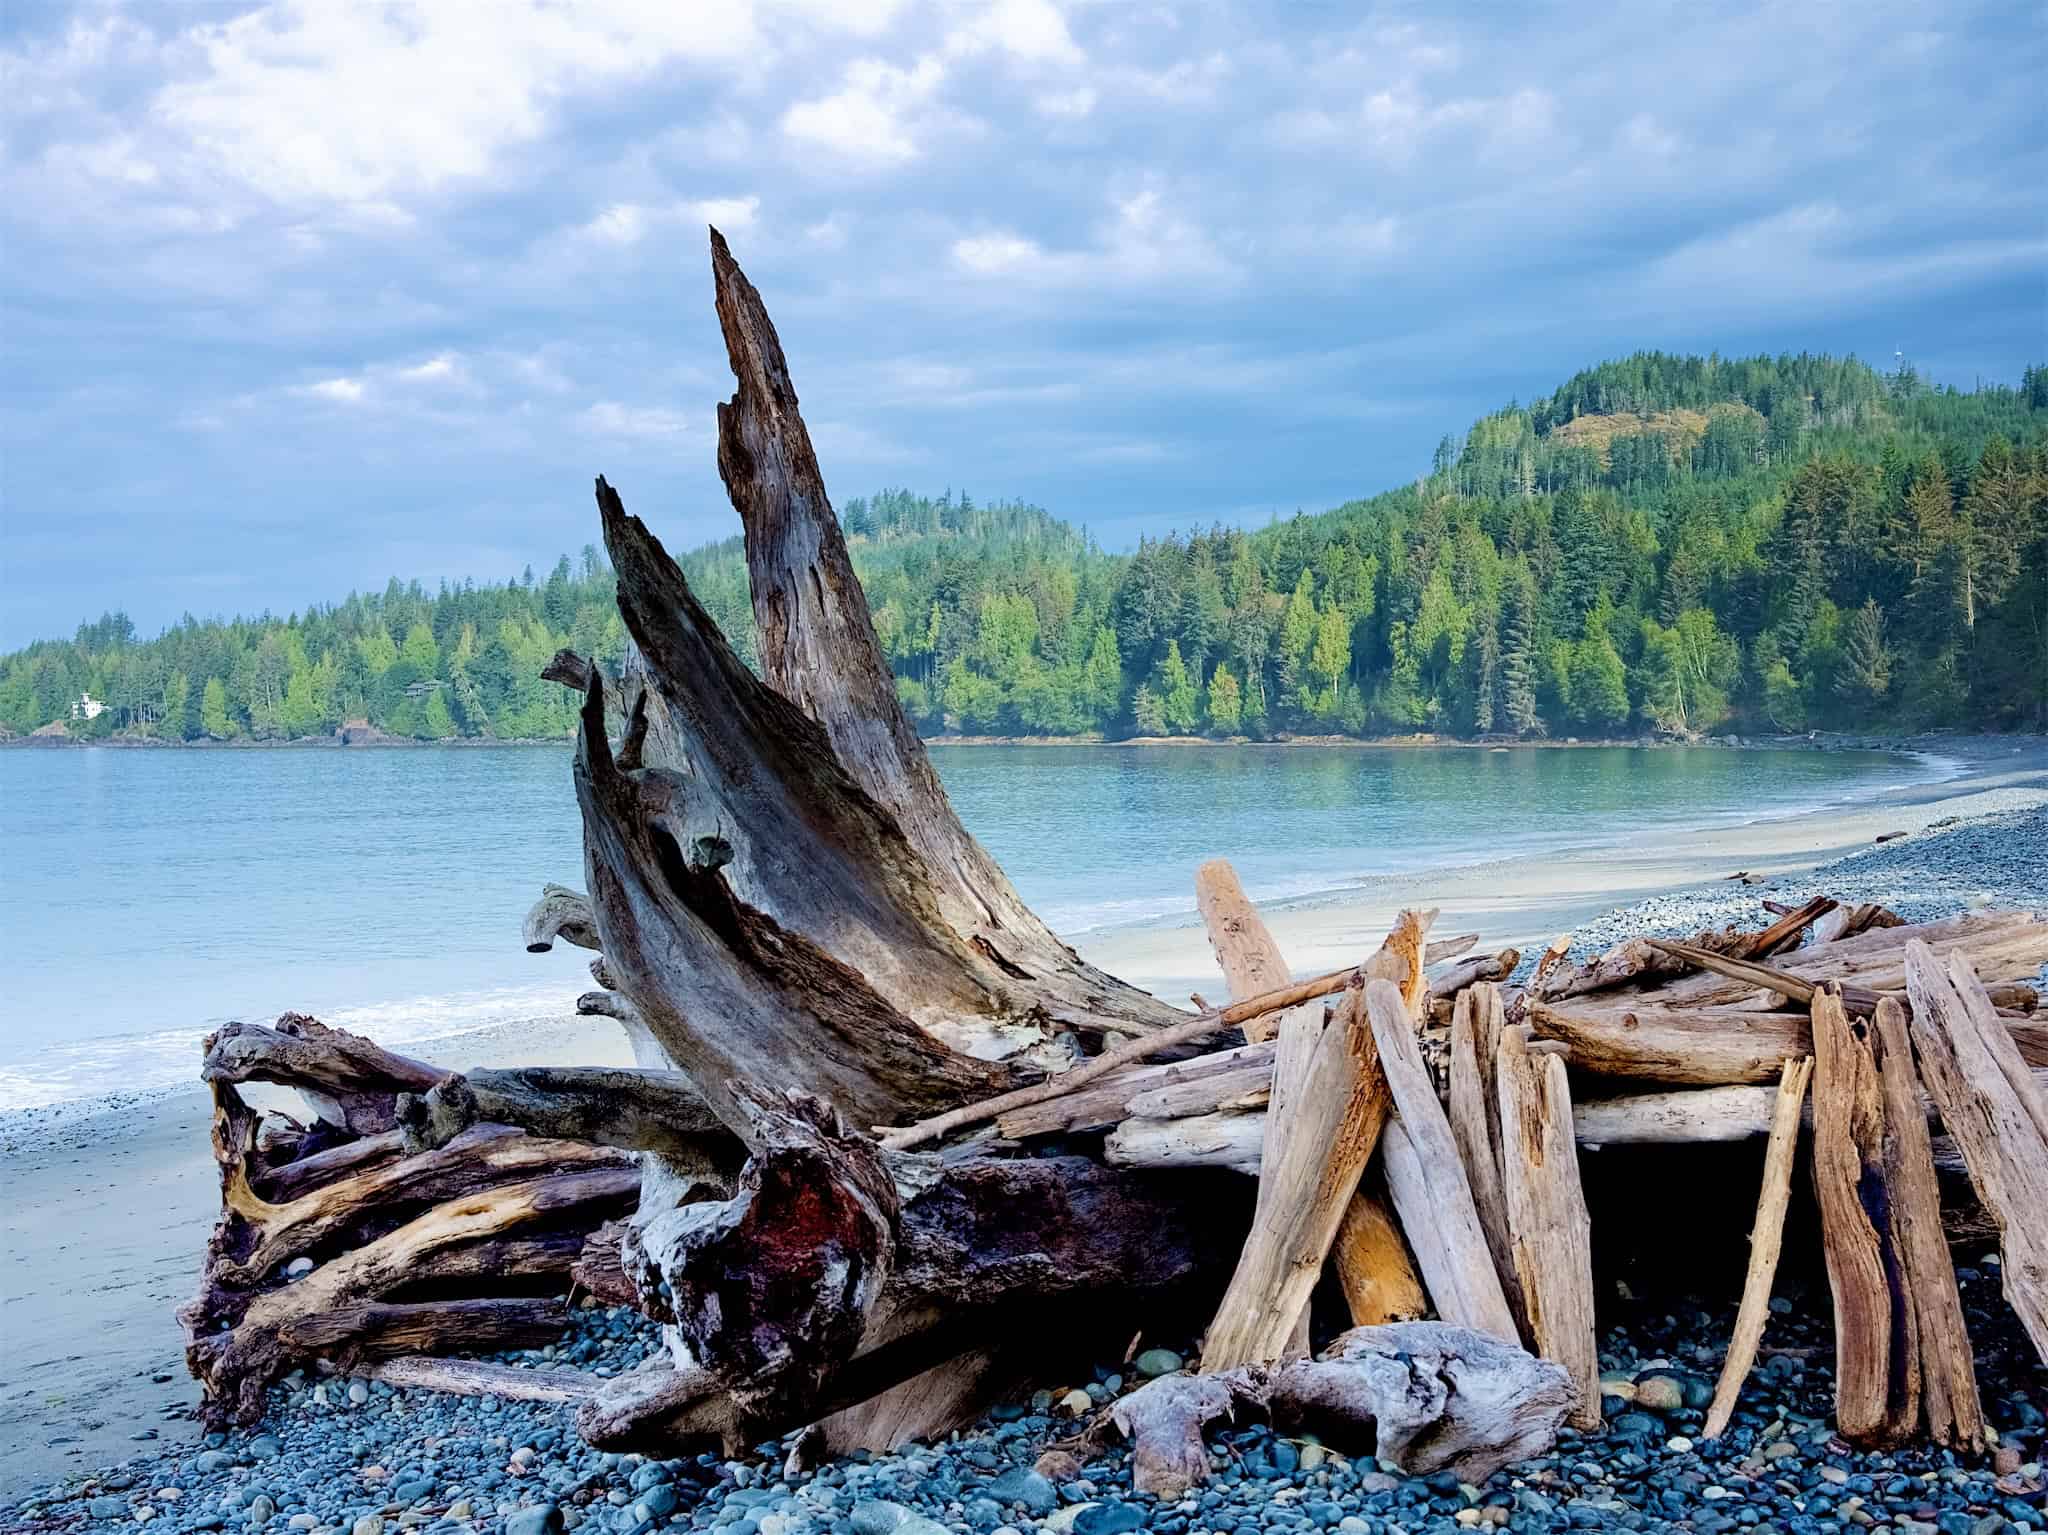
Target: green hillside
(1673, 544)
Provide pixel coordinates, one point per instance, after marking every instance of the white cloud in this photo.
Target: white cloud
(310, 104)
(620, 224)
(341, 391)
(1031, 30)
(445, 367)
(626, 224)
(993, 254)
(609, 418)
(829, 233)
(1076, 103)
(729, 214)
(873, 116)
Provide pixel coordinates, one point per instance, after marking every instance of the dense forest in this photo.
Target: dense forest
(1666, 544)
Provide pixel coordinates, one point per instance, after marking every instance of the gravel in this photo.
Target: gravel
(1996, 859)
(361, 1458)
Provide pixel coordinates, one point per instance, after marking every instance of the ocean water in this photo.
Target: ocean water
(148, 896)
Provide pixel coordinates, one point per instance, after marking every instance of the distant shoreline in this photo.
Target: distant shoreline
(1726, 741)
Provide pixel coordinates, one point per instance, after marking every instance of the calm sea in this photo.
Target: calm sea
(146, 896)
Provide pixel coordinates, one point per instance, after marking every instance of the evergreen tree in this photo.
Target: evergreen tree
(1226, 702)
(213, 710)
(1864, 670)
(1179, 704)
(1518, 659)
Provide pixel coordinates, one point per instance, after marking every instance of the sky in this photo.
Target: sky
(295, 297)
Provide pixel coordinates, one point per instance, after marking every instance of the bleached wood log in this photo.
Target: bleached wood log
(478, 1377)
(1948, 1373)
(1432, 1397)
(1426, 1174)
(1113, 1097)
(1766, 1240)
(1552, 1234)
(1477, 1020)
(1331, 1129)
(635, 1110)
(1998, 1116)
(1877, 1346)
(1370, 1259)
(559, 913)
(1999, 943)
(1244, 946)
(1400, 959)
(1188, 1030)
(349, 1081)
(1702, 1046)
(1252, 963)
(1473, 971)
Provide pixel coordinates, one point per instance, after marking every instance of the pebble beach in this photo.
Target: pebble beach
(336, 1455)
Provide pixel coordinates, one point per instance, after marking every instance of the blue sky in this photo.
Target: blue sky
(300, 296)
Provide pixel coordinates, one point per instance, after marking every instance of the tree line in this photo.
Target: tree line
(1666, 544)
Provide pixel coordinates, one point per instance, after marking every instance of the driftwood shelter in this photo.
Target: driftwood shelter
(882, 1114)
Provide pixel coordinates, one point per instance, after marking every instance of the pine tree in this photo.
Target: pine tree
(1226, 702)
(1864, 673)
(213, 710)
(1518, 659)
(1179, 703)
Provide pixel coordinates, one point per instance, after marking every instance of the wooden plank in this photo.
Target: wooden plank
(1427, 1179)
(1552, 1233)
(1335, 1123)
(1948, 1371)
(1996, 1122)
(1877, 1351)
(1766, 1239)
(1476, 1022)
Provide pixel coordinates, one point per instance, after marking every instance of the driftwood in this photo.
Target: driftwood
(1328, 1117)
(1370, 1258)
(1427, 1179)
(1766, 1240)
(401, 1253)
(1948, 1373)
(1433, 1397)
(804, 945)
(1877, 1347)
(1998, 1114)
(559, 913)
(1474, 1106)
(1550, 1231)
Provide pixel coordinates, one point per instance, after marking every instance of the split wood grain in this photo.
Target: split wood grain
(1336, 1122)
(1551, 1231)
(1766, 1240)
(1426, 1176)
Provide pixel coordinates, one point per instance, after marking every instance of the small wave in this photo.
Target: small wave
(167, 1059)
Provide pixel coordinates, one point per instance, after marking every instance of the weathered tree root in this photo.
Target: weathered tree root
(1432, 1397)
(352, 1250)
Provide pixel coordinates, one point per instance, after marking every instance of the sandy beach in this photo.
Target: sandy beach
(108, 1203)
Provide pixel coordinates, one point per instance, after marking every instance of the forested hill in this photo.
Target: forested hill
(1671, 544)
